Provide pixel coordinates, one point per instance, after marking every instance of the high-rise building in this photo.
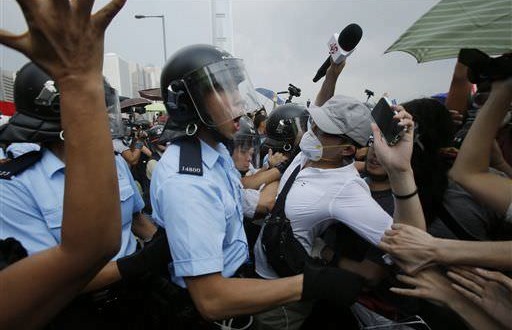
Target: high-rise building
(117, 72)
(222, 24)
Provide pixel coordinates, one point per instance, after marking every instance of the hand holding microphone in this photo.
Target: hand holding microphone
(340, 47)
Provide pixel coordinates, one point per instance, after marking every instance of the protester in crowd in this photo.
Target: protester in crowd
(68, 43)
(199, 199)
(132, 149)
(32, 210)
(470, 170)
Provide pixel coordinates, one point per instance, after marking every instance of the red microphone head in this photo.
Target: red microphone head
(350, 36)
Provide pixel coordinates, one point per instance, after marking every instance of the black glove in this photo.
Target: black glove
(331, 283)
(11, 251)
(154, 258)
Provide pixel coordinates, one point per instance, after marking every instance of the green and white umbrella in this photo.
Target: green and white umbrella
(454, 24)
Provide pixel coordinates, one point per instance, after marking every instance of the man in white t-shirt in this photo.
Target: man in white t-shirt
(328, 188)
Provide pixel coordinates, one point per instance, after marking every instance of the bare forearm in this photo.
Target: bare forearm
(261, 177)
(475, 152)
(142, 227)
(88, 216)
(106, 276)
(496, 255)
(472, 315)
(235, 296)
(407, 211)
(460, 89)
(327, 90)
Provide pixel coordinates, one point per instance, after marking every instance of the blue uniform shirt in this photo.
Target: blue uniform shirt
(202, 215)
(31, 205)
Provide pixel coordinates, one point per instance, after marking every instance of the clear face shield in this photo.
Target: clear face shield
(117, 129)
(221, 92)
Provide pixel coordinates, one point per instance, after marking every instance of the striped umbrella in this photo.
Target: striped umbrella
(454, 24)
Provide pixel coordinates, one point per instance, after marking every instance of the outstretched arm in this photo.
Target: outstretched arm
(329, 83)
(67, 42)
(470, 169)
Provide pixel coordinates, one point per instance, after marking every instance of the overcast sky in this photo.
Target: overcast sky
(281, 41)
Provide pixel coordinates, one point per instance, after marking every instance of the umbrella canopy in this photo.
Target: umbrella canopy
(134, 102)
(155, 107)
(153, 94)
(268, 98)
(454, 24)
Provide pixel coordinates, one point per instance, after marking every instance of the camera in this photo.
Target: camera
(482, 67)
(293, 90)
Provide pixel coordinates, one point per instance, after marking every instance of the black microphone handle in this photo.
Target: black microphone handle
(323, 69)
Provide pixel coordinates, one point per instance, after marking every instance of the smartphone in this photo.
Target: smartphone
(383, 114)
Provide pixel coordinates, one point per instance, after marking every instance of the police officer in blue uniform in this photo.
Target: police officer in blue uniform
(32, 198)
(197, 196)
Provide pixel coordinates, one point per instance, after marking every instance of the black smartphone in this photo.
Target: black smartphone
(383, 114)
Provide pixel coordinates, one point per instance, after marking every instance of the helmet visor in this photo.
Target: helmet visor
(115, 120)
(221, 92)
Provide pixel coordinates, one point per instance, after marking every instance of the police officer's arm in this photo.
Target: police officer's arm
(329, 83)
(217, 297)
(68, 45)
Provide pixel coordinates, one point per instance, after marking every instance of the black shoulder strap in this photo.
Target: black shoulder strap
(191, 161)
(19, 164)
(281, 199)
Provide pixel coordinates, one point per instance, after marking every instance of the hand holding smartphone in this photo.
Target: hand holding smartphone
(383, 115)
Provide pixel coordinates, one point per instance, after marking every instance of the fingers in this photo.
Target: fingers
(83, 7)
(495, 276)
(466, 283)
(18, 42)
(468, 294)
(456, 117)
(407, 292)
(104, 16)
(378, 140)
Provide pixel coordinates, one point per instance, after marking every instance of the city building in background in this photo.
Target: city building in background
(222, 24)
(128, 77)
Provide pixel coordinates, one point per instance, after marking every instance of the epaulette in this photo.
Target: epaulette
(190, 156)
(17, 165)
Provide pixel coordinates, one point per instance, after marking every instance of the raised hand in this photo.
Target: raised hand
(63, 38)
(395, 158)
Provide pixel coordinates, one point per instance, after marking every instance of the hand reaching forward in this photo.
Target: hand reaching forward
(412, 248)
(63, 38)
(491, 291)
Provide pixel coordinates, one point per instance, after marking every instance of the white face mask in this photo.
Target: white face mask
(311, 146)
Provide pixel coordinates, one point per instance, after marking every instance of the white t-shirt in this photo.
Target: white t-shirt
(320, 197)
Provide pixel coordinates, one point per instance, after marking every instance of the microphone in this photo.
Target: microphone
(340, 47)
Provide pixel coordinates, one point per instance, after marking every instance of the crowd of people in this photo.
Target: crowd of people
(232, 216)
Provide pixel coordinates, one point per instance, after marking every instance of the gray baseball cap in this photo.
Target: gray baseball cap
(344, 115)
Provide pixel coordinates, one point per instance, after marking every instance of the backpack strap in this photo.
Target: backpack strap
(281, 199)
(19, 164)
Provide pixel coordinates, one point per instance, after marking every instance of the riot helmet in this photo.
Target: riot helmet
(246, 141)
(37, 102)
(205, 85)
(285, 126)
